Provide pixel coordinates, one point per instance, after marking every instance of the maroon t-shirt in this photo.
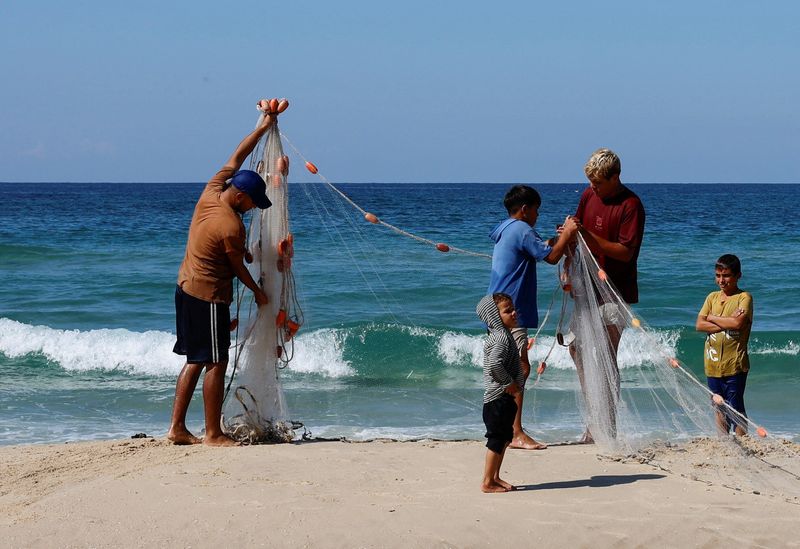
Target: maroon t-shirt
(619, 218)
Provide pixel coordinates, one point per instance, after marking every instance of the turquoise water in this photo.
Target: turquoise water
(391, 345)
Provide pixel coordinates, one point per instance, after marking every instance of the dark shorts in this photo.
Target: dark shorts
(731, 388)
(498, 416)
(203, 329)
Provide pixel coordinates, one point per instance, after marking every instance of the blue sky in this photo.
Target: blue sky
(404, 91)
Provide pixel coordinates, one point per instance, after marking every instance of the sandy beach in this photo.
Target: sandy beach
(148, 493)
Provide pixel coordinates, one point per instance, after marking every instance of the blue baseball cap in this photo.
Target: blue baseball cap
(251, 183)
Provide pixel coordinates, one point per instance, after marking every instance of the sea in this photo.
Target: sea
(391, 346)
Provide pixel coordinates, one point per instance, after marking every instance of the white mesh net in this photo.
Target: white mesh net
(255, 409)
(654, 410)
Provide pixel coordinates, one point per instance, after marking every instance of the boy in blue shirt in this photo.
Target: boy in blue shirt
(517, 248)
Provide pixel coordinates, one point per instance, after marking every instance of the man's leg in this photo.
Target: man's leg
(184, 388)
(213, 393)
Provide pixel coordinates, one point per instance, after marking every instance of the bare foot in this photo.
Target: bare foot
(509, 487)
(524, 442)
(182, 437)
(221, 440)
(492, 488)
(587, 438)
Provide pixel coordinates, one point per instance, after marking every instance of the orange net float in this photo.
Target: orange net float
(531, 342)
(283, 104)
(717, 399)
(674, 362)
(636, 323)
(601, 274)
(234, 324)
(311, 167)
(273, 105)
(761, 432)
(263, 105)
(444, 248)
(280, 319)
(280, 164)
(276, 179)
(567, 287)
(372, 218)
(285, 164)
(291, 328)
(542, 367)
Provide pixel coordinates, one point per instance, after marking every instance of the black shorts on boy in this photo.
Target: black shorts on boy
(203, 329)
(498, 416)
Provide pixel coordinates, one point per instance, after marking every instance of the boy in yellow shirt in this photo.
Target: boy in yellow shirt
(726, 318)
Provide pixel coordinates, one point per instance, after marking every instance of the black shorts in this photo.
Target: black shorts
(498, 416)
(203, 329)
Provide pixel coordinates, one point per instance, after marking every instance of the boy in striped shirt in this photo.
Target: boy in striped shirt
(502, 381)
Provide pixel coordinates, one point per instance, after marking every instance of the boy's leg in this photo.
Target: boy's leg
(734, 396)
(491, 469)
(507, 485)
(717, 387)
(497, 416)
(521, 439)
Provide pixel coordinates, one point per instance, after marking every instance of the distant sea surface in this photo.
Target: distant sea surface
(391, 346)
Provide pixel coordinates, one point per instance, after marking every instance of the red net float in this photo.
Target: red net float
(444, 248)
(601, 274)
(273, 105)
(761, 432)
(280, 318)
(311, 167)
(372, 218)
(542, 367)
(283, 104)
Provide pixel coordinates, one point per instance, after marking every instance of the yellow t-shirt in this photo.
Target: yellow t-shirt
(726, 351)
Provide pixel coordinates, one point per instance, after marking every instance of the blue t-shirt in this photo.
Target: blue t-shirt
(517, 248)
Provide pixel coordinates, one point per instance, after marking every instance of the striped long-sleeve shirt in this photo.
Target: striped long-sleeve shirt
(500, 354)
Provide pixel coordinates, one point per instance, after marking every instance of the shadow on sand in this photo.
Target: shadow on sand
(599, 481)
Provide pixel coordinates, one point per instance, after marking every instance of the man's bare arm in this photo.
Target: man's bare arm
(600, 246)
(249, 143)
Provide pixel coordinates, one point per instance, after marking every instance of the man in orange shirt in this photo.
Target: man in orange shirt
(215, 254)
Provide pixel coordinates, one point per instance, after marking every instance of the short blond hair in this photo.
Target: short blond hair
(603, 163)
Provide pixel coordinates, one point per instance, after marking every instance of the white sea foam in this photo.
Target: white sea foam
(321, 352)
(459, 349)
(636, 348)
(757, 348)
(148, 353)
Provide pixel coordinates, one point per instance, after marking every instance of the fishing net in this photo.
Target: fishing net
(255, 408)
(654, 410)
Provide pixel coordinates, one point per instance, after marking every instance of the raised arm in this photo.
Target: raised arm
(249, 143)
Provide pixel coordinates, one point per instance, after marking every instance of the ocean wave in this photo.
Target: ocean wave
(789, 348)
(321, 352)
(376, 350)
(636, 348)
(147, 353)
